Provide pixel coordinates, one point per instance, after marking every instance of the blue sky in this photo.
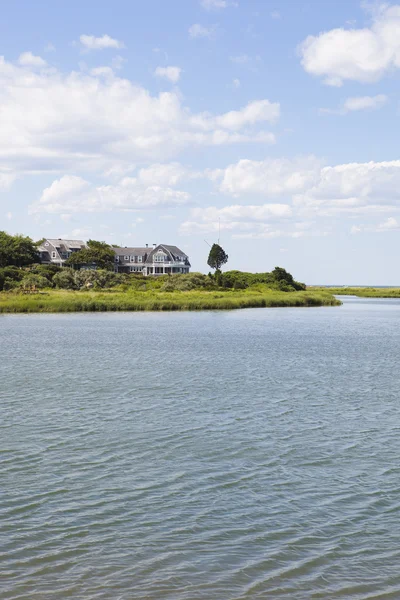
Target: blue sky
(140, 122)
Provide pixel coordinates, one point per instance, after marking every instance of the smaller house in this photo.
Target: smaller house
(161, 259)
(56, 252)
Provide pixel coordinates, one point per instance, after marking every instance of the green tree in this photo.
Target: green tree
(217, 257)
(36, 281)
(99, 254)
(65, 279)
(17, 250)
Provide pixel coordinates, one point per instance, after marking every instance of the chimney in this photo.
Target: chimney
(147, 245)
(154, 245)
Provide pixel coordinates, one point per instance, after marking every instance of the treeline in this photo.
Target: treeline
(278, 279)
(20, 269)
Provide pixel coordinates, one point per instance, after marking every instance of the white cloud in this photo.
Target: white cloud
(97, 121)
(236, 212)
(312, 191)
(236, 83)
(199, 31)
(269, 177)
(7, 179)
(237, 219)
(353, 188)
(365, 102)
(251, 63)
(390, 224)
(254, 112)
(27, 59)
(363, 55)
(217, 4)
(358, 103)
(90, 42)
(71, 194)
(164, 174)
(171, 73)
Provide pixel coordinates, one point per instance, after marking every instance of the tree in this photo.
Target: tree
(97, 253)
(217, 257)
(17, 250)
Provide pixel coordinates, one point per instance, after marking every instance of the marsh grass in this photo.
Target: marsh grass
(54, 301)
(364, 292)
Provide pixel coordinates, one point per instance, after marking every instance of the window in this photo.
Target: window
(126, 257)
(53, 255)
(47, 244)
(132, 259)
(117, 258)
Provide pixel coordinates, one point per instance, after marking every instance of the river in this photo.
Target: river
(201, 456)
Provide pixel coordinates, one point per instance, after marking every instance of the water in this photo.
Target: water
(219, 456)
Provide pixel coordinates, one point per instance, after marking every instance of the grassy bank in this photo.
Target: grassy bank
(54, 301)
(365, 292)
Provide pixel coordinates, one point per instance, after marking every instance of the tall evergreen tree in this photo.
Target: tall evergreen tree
(217, 257)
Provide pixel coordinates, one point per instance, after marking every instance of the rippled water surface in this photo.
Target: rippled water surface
(216, 456)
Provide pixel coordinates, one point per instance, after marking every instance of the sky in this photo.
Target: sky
(272, 126)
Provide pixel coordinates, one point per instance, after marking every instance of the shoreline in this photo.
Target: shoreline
(63, 301)
(361, 292)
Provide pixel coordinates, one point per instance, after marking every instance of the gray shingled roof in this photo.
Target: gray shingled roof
(131, 251)
(66, 243)
(174, 250)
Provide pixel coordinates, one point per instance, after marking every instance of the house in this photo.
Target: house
(161, 259)
(56, 252)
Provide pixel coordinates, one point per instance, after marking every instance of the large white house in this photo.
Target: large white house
(161, 259)
(156, 260)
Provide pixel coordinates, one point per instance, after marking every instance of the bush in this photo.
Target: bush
(186, 282)
(98, 279)
(48, 271)
(65, 279)
(36, 281)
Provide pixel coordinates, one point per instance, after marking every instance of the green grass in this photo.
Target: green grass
(365, 292)
(54, 301)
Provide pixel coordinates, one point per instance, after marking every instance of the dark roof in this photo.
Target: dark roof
(131, 251)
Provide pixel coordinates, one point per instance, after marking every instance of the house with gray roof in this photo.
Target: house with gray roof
(57, 251)
(159, 259)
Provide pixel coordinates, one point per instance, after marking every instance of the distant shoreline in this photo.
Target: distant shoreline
(361, 291)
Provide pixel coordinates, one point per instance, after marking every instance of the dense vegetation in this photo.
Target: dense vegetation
(51, 276)
(27, 286)
(17, 250)
(66, 290)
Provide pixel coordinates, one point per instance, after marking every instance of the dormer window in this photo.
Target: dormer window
(126, 257)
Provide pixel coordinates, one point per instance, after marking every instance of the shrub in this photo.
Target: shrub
(36, 281)
(98, 279)
(65, 279)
